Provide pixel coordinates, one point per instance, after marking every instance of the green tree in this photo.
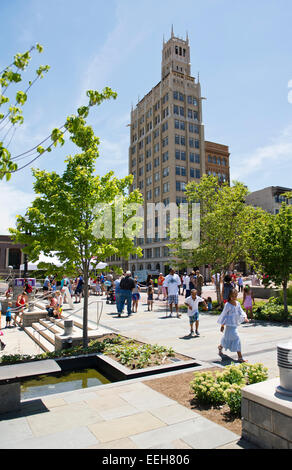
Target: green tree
(11, 104)
(68, 208)
(271, 247)
(224, 223)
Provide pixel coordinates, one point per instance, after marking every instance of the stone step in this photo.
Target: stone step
(45, 345)
(51, 325)
(44, 332)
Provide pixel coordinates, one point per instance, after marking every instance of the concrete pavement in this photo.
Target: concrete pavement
(131, 415)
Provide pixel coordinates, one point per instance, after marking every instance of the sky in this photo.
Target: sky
(242, 51)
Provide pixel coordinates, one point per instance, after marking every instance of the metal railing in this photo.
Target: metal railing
(63, 317)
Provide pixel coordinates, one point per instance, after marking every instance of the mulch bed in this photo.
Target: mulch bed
(177, 387)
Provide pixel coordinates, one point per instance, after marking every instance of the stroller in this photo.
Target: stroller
(110, 296)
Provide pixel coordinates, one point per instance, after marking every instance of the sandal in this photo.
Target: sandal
(242, 360)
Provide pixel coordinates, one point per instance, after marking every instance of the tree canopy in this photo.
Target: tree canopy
(69, 208)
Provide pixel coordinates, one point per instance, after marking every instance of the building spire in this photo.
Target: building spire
(187, 37)
(172, 34)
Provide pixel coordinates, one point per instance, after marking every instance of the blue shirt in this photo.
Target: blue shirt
(8, 312)
(117, 286)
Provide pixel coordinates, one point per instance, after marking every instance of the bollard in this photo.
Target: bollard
(284, 356)
(68, 327)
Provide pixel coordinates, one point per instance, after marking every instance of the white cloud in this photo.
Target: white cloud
(114, 156)
(120, 43)
(13, 202)
(275, 155)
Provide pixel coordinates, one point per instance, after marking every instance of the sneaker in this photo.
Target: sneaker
(178, 315)
(197, 333)
(2, 346)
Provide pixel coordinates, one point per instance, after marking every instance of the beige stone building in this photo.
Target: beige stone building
(168, 150)
(269, 198)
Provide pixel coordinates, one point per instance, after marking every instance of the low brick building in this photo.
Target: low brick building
(10, 255)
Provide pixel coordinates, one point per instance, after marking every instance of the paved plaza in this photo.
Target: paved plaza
(129, 415)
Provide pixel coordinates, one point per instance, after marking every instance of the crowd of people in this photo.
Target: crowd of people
(125, 291)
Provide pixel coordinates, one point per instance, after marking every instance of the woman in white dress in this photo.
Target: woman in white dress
(231, 316)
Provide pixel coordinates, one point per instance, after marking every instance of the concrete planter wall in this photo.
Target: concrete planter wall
(261, 292)
(266, 416)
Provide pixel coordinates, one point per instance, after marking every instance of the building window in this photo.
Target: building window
(165, 171)
(166, 187)
(166, 201)
(156, 133)
(165, 126)
(156, 191)
(180, 170)
(165, 98)
(156, 162)
(165, 156)
(180, 155)
(180, 185)
(156, 176)
(165, 142)
(149, 254)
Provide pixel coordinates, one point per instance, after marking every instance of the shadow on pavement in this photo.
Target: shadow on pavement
(27, 408)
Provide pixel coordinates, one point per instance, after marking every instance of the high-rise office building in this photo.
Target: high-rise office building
(167, 149)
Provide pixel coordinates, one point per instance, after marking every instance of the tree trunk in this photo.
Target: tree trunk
(284, 284)
(85, 306)
(217, 286)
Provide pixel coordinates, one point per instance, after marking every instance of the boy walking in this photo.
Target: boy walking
(192, 303)
(8, 315)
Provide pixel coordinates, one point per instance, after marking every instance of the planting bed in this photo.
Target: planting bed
(177, 387)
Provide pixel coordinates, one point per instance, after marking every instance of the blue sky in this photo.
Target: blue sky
(241, 49)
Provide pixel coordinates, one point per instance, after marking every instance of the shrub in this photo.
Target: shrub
(232, 398)
(273, 310)
(225, 387)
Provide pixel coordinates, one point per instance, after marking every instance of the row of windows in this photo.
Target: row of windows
(181, 97)
(181, 140)
(179, 155)
(177, 110)
(217, 160)
(176, 95)
(221, 176)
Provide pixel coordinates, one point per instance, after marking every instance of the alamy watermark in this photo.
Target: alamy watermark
(151, 220)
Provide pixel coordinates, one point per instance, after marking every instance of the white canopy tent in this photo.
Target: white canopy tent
(42, 259)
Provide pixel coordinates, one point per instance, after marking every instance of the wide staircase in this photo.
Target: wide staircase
(43, 332)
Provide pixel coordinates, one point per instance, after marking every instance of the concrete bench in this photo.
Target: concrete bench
(10, 380)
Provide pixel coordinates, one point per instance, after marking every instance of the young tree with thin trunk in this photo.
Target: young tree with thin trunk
(72, 212)
(271, 247)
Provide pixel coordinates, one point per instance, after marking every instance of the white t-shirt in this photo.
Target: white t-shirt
(187, 282)
(194, 303)
(172, 282)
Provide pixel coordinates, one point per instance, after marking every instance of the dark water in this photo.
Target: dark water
(67, 381)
